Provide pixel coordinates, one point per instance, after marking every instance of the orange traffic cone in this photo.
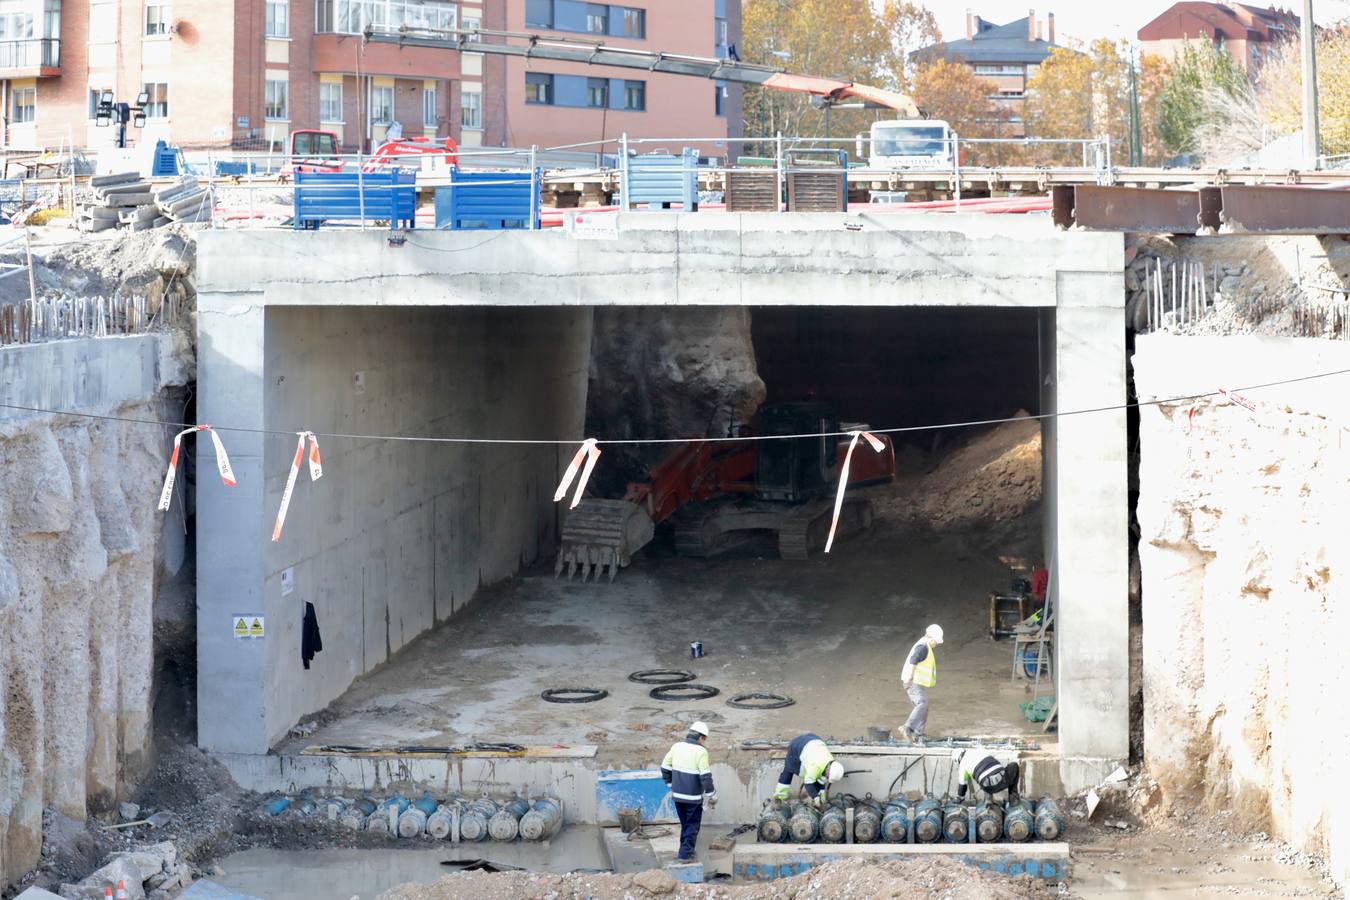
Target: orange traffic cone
(122, 891)
(107, 892)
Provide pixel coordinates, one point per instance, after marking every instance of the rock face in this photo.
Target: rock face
(1245, 578)
(669, 373)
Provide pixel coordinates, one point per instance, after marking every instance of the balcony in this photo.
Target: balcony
(30, 58)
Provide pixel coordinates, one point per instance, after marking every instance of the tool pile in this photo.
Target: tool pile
(866, 820)
(125, 200)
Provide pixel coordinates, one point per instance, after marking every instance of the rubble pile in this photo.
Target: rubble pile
(125, 200)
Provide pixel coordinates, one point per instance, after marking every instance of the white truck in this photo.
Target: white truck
(908, 144)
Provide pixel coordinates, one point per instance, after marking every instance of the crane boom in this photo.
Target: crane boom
(597, 53)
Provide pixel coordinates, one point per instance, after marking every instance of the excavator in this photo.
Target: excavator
(714, 493)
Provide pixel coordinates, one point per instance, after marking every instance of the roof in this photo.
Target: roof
(994, 44)
(1237, 21)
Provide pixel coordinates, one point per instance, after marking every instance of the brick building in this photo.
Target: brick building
(245, 73)
(1249, 34)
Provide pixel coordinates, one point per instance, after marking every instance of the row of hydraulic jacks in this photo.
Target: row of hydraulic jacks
(901, 821)
(456, 818)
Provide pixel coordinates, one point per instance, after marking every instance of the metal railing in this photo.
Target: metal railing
(30, 53)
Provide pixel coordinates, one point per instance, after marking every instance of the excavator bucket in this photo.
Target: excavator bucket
(599, 536)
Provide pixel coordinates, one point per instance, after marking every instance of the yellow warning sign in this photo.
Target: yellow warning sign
(248, 627)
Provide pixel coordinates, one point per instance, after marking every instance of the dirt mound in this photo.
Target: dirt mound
(992, 480)
(851, 879)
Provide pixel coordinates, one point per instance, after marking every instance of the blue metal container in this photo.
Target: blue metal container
(326, 196)
(660, 180)
(491, 201)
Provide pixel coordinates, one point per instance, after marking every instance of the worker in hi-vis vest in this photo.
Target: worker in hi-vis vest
(689, 773)
(809, 759)
(919, 674)
(976, 765)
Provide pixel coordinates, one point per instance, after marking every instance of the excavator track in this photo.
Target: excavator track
(806, 527)
(600, 536)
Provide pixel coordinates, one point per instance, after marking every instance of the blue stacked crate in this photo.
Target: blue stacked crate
(490, 201)
(325, 196)
(660, 179)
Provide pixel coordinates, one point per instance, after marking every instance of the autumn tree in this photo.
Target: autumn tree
(1081, 95)
(1279, 90)
(910, 28)
(951, 91)
(1152, 75)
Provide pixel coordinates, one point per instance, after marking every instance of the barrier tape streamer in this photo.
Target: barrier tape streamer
(588, 451)
(222, 463)
(315, 473)
(878, 446)
(1239, 400)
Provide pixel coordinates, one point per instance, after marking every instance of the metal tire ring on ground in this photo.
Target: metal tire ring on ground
(662, 676)
(683, 693)
(582, 695)
(775, 701)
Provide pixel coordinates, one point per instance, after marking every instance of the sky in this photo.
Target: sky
(1087, 19)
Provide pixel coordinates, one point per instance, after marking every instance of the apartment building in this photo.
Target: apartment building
(1249, 34)
(246, 73)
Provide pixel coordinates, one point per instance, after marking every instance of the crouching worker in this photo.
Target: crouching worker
(688, 771)
(809, 759)
(988, 773)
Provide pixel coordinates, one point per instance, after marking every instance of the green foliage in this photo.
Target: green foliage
(1200, 75)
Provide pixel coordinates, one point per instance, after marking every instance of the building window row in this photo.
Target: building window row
(25, 106)
(382, 103)
(471, 110)
(586, 18)
(278, 22)
(157, 100)
(545, 89)
(354, 16)
(1000, 70)
(330, 102)
(276, 99)
(158, 19)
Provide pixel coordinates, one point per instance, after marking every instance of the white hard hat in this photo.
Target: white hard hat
(834, 771)
(699, 728)
(934, 632)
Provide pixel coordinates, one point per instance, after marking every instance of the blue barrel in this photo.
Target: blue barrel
(895, 823)
(277, 805)
(1018, 822)
(1049, 820)
(927, 821)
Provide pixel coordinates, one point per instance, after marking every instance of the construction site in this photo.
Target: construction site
(375, 530)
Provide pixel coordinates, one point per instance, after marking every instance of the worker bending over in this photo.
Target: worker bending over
(991, 775)
(688, 771)
(918, 675)
(809, 759)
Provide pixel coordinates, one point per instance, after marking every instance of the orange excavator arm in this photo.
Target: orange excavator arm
(832, 92)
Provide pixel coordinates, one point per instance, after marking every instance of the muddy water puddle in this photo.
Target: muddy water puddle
(1241, 873)
(341, 873)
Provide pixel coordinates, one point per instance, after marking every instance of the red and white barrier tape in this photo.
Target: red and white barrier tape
(1239, 400)
(878, 445)
(315, 473)
(222, 463)
(590, 452)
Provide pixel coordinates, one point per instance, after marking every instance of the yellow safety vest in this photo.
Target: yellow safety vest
(925, 673)
(816, 758)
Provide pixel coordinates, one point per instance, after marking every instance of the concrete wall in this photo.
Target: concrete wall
(1244, 582)
(397, 536)
(80, 547)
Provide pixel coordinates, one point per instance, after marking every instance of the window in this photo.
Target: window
(278, 18)
(720, 106)
(539, 13)
(353, 16)
(999, 70)
(330, 102)
(597, 18)
(382, 104)
(276, 99)
(158, 19)
(102, 21)
(315, 144)
(634, 22)
(472, 24)
(157, 106)
(25, 106)
(429, 117)
(635, 95)
(538, 88)
(471, 110)
(597, 92)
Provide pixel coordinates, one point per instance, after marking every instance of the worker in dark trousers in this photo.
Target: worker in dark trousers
(977, 766)
(809, 759)
(688, 771)
(918, 675)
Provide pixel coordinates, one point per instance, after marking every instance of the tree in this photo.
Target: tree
(1080, 95)
(909, 28)
(952, 92)
(1280, 90)
(1153, 72)
(1192, 100)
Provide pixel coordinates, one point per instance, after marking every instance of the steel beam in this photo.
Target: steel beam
(1284, 210)
(1100, 208)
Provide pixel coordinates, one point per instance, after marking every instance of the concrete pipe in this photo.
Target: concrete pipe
(473, 820)
(955, 824)
(867, 815)
(543, 821)
(773, 823)
(412, 823)
(803, 825)
(833, 823)
(988, 822)
(1018, 822)
(440, 823)
(895, 823)
(927, 821)
(1049, 820)
(505, 823)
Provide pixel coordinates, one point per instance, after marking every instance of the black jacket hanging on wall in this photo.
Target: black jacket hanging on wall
(310, 642)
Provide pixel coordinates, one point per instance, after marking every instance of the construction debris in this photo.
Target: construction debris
(125, 200)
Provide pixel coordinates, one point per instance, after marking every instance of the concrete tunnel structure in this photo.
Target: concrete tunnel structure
(481, 334)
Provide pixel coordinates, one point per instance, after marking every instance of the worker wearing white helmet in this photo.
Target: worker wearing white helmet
(809, 759)
(977, 766)
(918, 675)
(688, 771)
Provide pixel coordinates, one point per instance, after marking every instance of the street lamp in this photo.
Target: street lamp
(107, 113)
